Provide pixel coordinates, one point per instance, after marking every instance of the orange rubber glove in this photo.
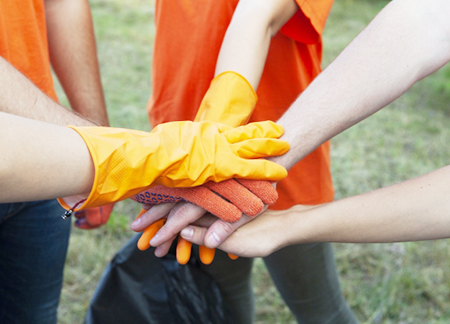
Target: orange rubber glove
(93, 217)
(177, 154)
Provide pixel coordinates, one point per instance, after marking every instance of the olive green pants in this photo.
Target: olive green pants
(304, 274)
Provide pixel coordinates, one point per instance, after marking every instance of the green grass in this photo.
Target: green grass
(383, 283)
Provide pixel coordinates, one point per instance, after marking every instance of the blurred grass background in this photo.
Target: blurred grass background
(383, 283)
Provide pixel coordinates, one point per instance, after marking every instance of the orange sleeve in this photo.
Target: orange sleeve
(307, 25)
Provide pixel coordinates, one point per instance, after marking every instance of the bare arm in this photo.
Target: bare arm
(418, 209)
(247, 40)
(52, 161)
(21, 97)
(73, 56)
(407, 41)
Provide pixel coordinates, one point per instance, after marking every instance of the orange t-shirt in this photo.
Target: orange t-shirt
(188, 38)
(23, 41)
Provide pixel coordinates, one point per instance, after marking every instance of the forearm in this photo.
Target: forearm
(407, 41)
(21, 97)
(73, 56)
(246, 43)
(41, 160)
(417, 209)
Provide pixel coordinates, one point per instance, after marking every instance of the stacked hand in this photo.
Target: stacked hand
(227, 200)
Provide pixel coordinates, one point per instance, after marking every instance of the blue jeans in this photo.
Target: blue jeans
(33, 245)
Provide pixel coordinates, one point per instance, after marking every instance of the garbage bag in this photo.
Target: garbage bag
(137, 287)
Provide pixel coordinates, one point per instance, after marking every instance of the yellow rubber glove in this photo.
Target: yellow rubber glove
(229, 100)
(177, 154)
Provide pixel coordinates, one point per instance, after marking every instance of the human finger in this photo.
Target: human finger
(179, 217)
(219, 231)
(260, 148)
(164, 248)
(150, 216)
(264, 129)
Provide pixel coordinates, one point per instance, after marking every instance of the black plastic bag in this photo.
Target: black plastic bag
(137, 287)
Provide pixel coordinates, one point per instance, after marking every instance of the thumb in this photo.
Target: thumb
(220, 230)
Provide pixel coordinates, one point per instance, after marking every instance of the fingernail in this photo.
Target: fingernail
(214, 239)
(136, 222)
(154, 240)
(188, 232)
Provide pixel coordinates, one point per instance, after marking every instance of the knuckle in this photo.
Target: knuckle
(168, 231)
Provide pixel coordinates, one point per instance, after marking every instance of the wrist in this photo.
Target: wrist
(229, 100)
(304, 225)
(119, 157)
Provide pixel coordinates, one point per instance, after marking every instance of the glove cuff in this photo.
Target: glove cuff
(110, 149)
(229, 100)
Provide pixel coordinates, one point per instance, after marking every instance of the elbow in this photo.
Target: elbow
(271, 15)
(436, 31)
(271, 21)
(424, 28)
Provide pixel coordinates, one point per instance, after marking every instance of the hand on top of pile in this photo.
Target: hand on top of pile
(177, 154)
